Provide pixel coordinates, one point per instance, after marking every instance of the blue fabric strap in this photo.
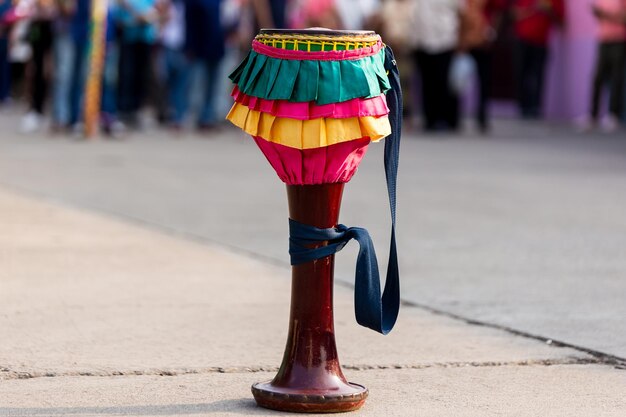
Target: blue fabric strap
(373, 311)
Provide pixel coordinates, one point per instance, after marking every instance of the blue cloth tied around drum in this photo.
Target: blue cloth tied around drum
(369, 307)
(372, 310)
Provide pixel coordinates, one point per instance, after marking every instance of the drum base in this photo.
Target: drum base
(349, 397)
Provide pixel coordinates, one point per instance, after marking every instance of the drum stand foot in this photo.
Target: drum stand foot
(348, 397)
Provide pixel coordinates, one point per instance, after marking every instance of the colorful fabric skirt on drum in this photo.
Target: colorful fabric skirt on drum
(312, 103)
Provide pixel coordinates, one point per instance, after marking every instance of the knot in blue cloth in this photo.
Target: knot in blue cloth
(371, 310)
(301, 236)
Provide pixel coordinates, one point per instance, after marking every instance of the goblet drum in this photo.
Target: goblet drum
(313, 100)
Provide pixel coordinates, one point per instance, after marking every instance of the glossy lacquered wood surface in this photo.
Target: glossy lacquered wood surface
(310, 378)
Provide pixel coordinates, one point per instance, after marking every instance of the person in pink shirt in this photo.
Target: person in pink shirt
(611, 61)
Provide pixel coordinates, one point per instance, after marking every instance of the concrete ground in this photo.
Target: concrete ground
(148, 276)
(102, 317)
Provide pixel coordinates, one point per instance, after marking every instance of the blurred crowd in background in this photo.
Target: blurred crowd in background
(170, 58)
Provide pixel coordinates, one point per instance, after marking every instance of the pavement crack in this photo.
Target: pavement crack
(601, 357)
(481, 364)
(7, 373)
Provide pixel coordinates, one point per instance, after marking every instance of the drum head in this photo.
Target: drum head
(317, 31)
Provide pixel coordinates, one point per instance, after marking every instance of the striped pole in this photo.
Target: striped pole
(96, 51)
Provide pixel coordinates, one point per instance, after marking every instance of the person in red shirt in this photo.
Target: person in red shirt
(534, 20)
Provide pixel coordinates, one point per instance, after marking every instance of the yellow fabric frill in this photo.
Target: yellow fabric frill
(307, 134)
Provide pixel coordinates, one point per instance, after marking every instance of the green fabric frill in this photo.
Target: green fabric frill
(324, 82)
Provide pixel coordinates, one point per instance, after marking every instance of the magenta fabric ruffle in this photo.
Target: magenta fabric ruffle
(359, 107)
(329, 164)
(347, 55)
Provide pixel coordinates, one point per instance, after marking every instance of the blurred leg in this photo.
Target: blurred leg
(178, 84)
(523, 76)
(599, 79)
(406, 66)
(5, 69)
(79, 75)
(138, 80)
(141, 73)
(429, 96)
(158, 87)
(40, 46)
(482, 57)
(109, 85)
(617, 79)
(125, 81)
(207, 115)
(538, 70)
(449, 101)
(64, 55)
(438, 89)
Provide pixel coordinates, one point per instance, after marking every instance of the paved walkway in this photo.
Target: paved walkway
(99, 317)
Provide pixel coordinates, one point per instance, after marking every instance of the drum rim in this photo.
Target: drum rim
(317, 31)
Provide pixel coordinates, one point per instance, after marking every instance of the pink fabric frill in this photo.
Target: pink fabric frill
(329, 164)
(352, 54)
(358, 107)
